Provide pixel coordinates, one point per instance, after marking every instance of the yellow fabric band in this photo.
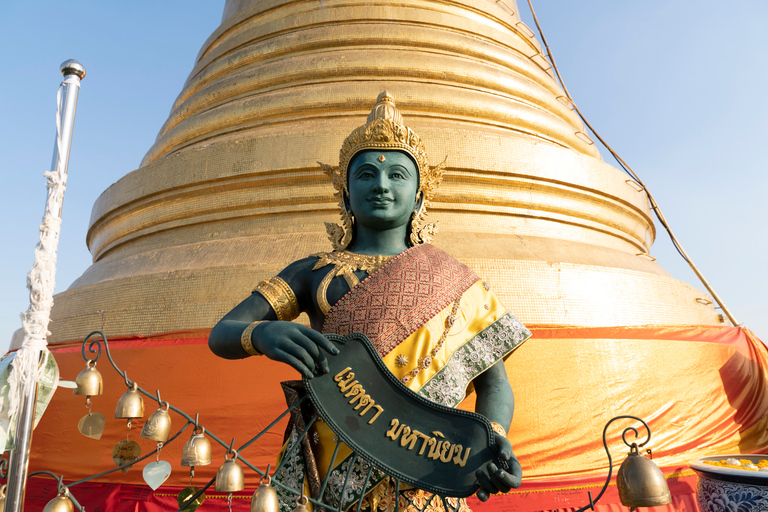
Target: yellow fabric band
(280, 297)
(246, 342)
(479, 308)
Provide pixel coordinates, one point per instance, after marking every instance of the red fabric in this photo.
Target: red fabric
(531, 497)
(106, 497)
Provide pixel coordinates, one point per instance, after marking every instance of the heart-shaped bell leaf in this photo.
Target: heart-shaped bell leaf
(92, 425)
(183, 500)
(125, 453)
(155, 473)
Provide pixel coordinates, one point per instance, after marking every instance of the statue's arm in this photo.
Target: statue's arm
(225, 337)
(496, 402)
(292, 343)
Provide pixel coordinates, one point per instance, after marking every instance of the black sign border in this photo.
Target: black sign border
(342, 340)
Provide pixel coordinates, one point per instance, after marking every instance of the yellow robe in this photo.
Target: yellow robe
(404, 309)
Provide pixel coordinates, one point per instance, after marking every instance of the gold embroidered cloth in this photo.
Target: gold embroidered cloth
(401, 297)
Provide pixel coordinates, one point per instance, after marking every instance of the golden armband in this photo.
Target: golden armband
(280, 297)
(498, 429)
(246, 342)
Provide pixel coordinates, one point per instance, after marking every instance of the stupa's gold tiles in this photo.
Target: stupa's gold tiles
(231, 190)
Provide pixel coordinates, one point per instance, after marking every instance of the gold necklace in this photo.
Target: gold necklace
(345, 261)
(345, 264)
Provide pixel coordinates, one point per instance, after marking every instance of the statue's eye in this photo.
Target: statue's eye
(364, 174)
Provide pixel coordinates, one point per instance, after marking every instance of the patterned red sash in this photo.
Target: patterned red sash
(401, 297)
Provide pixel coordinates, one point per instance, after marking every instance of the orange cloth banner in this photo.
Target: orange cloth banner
(701, 389)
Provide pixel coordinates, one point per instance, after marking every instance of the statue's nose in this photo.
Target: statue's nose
(382, 183)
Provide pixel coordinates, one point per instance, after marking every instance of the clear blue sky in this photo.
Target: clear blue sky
(676, 87)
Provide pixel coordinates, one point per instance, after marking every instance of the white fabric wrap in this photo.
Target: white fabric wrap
(27, 366)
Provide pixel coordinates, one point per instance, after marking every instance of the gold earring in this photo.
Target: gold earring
(341, 235)
(416, 221)
(422, 233)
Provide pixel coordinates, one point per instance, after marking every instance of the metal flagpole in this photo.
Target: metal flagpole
(31, 357)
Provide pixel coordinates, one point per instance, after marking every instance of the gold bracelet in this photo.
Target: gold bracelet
(246, 342)
(498, 429)
(280, 297)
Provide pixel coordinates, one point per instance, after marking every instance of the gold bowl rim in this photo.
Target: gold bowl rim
(731, 474)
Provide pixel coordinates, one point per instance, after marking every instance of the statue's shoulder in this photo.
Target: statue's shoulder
(321, 259)
(309, 261)
(298, 274)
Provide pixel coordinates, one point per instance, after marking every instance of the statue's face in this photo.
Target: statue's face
(382, 188)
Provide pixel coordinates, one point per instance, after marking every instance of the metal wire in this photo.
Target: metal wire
(61, 485)
(268, 427)
(592, 502)
(346, 482)
(330, 467)
(397, 495)
(197, 495)
(297, 444)
(365, 487)
(94, 349)
(628, 170)
(86, 479)
(189, 418)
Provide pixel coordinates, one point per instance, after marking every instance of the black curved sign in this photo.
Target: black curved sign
(427, 445)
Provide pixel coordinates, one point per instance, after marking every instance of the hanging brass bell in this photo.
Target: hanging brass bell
(301, 504)
(641, 483)
(89, 381)
(229, 477)
(264, 499)
(60, 503)
(2, 498)
(130, 405)
(197, 450)
(158, 426)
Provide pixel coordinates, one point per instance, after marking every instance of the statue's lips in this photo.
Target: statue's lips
(381, 201)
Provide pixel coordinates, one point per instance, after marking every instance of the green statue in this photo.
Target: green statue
(434, 323)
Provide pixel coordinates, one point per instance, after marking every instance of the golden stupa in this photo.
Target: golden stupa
(231, 192)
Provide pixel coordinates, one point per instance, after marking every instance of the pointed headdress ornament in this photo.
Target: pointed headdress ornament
(384, 130)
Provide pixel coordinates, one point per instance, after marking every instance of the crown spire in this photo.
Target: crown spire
(385, 109)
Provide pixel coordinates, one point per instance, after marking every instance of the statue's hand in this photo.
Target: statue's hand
(294, 344)
(492, 479)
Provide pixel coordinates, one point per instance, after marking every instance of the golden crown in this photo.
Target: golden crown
(384, 129)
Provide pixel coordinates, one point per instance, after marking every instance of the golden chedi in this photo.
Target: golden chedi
(231, 190)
